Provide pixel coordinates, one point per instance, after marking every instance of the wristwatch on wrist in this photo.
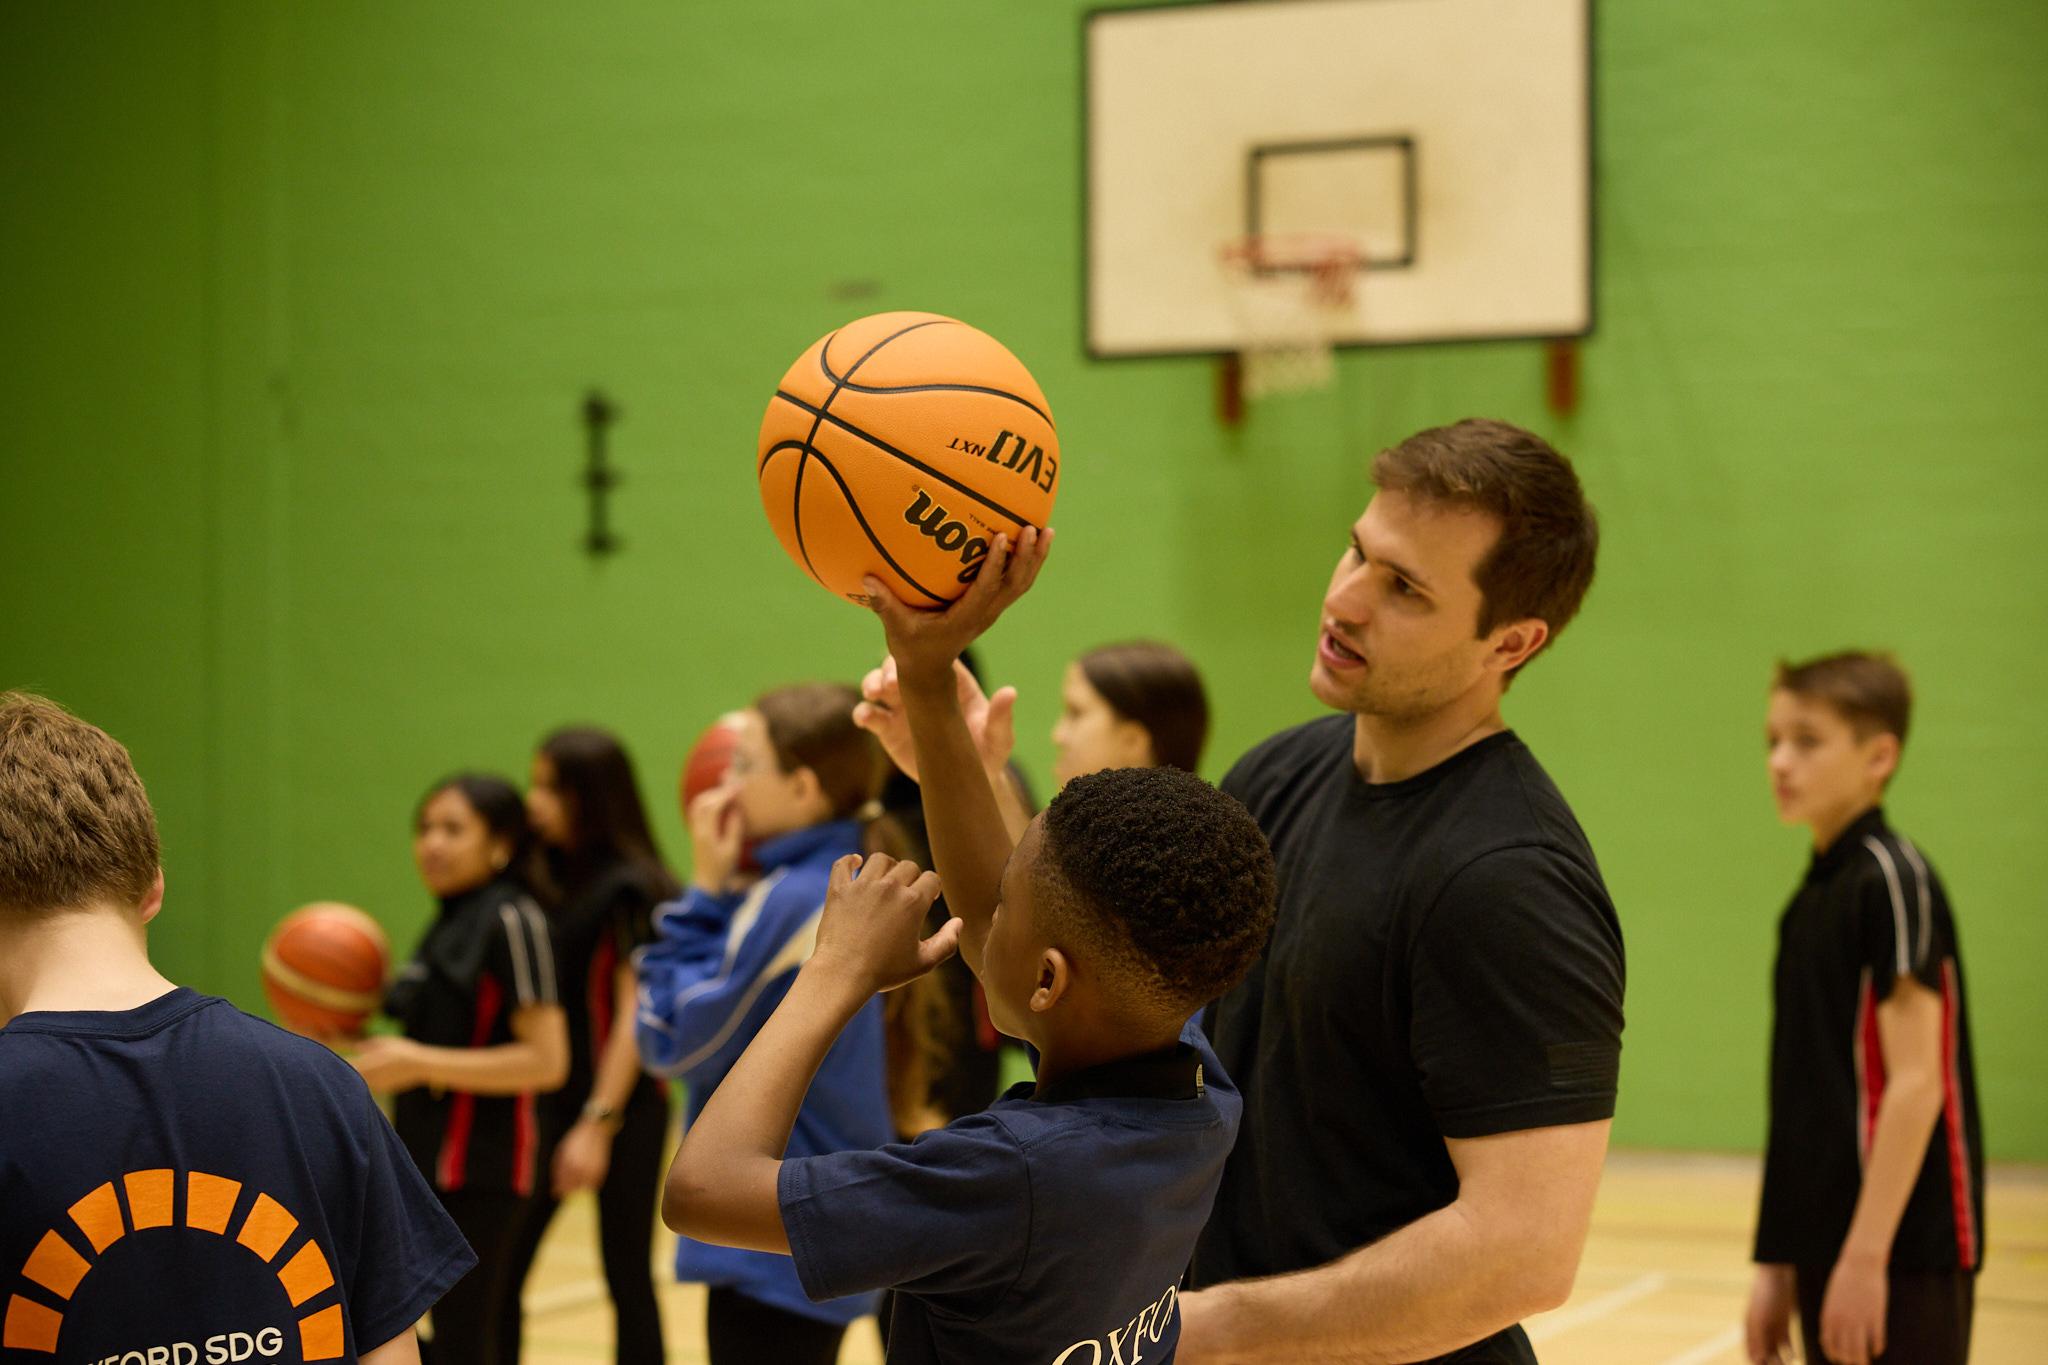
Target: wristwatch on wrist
(596, 1112)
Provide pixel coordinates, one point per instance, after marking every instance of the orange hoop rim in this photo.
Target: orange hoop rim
(1330, 261)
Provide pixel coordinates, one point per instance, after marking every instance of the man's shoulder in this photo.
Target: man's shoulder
(1514, 806)
(1293, 750)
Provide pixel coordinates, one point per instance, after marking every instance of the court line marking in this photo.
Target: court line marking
(557, 1297)
(1709, 1350)
(1592, 1310)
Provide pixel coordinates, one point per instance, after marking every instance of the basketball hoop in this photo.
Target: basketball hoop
(1290, 293)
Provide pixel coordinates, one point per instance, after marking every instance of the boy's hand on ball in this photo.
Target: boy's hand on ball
(872, 929)
(925, 644)
(991, 720)
(717, 837)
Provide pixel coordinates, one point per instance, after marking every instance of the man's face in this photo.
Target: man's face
(1821, 772)
(1400, 629)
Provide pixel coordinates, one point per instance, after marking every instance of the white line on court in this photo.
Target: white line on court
(557, 1297)
(1706, 1351)
(1592, 1310)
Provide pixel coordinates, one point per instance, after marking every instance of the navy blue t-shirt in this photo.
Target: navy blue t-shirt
(1054, 1226)
(188, 1182)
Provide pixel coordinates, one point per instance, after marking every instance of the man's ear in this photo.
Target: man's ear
(1882, 756)
(152, 899)
(1055, 975)
(1514, 643)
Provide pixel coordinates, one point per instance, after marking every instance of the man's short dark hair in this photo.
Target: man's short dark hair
(1163, 878)
(1867, 689)
(1542, 564)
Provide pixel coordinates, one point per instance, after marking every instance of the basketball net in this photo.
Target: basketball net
(1289, 293)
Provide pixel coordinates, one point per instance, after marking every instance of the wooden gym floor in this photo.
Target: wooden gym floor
(1664, 1279)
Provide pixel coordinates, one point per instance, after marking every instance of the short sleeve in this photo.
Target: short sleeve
(945, 1217)
(408, 1250)
(522, 953)
(1895, 917)
(1516, 977)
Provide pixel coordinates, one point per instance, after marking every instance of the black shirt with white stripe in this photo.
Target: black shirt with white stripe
(1869, 912)
(606, 914)
(484, 957)
(1446, 963)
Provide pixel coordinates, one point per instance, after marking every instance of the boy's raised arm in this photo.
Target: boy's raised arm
(970, 841)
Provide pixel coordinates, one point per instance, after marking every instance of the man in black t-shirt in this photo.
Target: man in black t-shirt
(1428, 1050)
(1871, 1224)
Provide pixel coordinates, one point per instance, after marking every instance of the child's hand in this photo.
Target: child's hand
(873, 925)
(582, 1159)
(1852, 1311)
(1767, 1328)
(991, 720)
(716, 837)
(925, 643)
(389, 1064)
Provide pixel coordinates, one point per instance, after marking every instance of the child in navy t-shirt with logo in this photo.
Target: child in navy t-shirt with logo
(179, 1183)
(1053, 1228)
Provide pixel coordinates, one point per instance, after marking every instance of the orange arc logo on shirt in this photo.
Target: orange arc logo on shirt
(57, 1266)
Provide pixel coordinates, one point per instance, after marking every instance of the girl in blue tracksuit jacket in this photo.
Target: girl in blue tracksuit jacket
(724, 955)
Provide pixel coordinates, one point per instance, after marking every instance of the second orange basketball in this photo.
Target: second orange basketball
(901, 445)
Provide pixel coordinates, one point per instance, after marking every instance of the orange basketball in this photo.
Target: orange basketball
(324, 969)
(709, 757)
(900, 446)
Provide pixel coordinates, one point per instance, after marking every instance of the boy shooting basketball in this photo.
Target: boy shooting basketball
(1871, 1225)
(177, 1180)
(1057, 1224)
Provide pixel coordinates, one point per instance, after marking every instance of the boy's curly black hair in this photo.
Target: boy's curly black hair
(1166, 878)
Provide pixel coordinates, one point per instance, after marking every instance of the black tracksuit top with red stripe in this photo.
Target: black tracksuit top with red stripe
(607, 913)
(1870, 910)
(485, 956)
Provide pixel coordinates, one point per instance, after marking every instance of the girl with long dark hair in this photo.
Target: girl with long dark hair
(483, 1037)
(1137, 704)
(609, 1122)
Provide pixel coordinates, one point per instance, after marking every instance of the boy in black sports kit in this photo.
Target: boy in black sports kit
(1871, 1223)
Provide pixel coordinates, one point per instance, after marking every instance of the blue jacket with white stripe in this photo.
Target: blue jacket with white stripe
(715, 972)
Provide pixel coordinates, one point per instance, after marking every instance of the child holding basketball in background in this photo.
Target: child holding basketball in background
(167, 1162)
(723, 957)
(1871, 1220)
(484, 1037)
(1056, 1225)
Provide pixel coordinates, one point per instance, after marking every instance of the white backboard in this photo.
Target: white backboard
(1450, 139)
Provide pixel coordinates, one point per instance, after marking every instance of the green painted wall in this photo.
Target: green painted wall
(300, 302)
